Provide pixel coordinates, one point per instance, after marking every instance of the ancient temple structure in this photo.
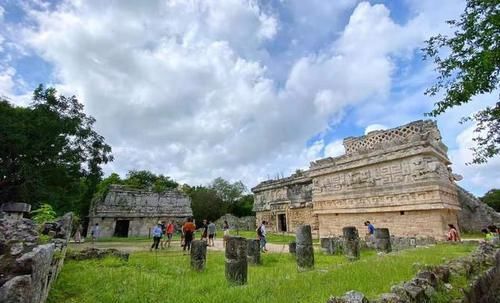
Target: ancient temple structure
(397, 178)
(130, 212)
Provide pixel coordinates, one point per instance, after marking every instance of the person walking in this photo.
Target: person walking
(157, 233)
(225, 228)
(204, 233)
(371, 228)
(188, 229)
(94, 233)
(261, 234)
(211, 233)
(170, 232)
(78, 234)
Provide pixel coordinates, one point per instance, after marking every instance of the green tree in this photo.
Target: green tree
(206, 204)
(243, 207)
(44, 214)
(492, 198)
(50, 152)
(470, 68)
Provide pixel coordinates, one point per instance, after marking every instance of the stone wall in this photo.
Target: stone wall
(142, 209)
(243, 223)
(423, 223)
(475, 215)
(27, 268)
(400, 178)
(485, 285)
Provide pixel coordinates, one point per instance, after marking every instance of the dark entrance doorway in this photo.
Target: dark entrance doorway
(282, 222)
(121, 228)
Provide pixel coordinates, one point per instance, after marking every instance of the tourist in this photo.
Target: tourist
(163, 234)
(78, 234)
(261, 234)
(211, 233)
(225, 228)
(188, 229)
(94, 233)
(157, 233)
(170, 232)
(371, 228)
(452, 233)
(204, 233)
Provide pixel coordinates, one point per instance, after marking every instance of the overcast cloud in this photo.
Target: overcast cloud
(238, 88)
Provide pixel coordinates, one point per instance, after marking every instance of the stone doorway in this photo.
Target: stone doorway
(281, 222)
(121, 228)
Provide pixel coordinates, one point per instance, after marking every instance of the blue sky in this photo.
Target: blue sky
(241, 89)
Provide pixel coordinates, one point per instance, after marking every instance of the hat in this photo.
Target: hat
(159, 222)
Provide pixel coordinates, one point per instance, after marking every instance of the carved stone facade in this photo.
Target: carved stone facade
(129, 212)
(397, 178)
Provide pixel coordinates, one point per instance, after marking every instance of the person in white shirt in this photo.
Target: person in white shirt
(261, 234)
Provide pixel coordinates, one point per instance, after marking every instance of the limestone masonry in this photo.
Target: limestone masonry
(398, 179)
(129, 212)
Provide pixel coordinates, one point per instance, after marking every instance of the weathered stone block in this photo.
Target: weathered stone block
(351, 243)
(198, 254)
(253, 250)
(236, 260)
(304, 250)
(383, 240)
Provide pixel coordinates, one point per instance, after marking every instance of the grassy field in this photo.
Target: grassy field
(167, 277)
(271, 238)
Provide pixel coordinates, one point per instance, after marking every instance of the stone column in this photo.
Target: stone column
(236, 260)
(327, 245)
(198, 254)
(383, 240)
(253, 251)
(292, 247)
(304, 251)
(351, 243)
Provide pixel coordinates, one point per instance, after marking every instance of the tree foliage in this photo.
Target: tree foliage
(219, 198)
(50, 152)
(470, 68)
(44, 214)
(492, 198)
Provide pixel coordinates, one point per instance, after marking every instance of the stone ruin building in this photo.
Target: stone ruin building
(397, 178)
(131, 212)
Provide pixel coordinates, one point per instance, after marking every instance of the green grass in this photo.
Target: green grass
(167, 277)
(270, 237)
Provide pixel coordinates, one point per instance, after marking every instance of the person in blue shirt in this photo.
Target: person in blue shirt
(157, 233)
(371, 228)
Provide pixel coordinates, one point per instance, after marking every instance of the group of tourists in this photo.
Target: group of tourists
(162, 234)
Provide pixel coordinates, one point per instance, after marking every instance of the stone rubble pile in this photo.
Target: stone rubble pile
(94, 253)
(27, 268)
(485, 285)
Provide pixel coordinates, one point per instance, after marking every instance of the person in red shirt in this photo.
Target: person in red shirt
(170, 232)
(188, 230)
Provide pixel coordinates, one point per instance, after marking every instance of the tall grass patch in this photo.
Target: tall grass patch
(166, 276)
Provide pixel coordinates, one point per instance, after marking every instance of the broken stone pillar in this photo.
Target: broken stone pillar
(292, 247)
(327, 246)
(253, 251)
(198, 254)
(351, 243)
(236, 260)
(304, 250)
(383, 240)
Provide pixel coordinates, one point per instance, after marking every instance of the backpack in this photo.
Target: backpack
(259, 231)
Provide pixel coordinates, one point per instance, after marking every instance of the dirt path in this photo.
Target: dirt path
(140, 245)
